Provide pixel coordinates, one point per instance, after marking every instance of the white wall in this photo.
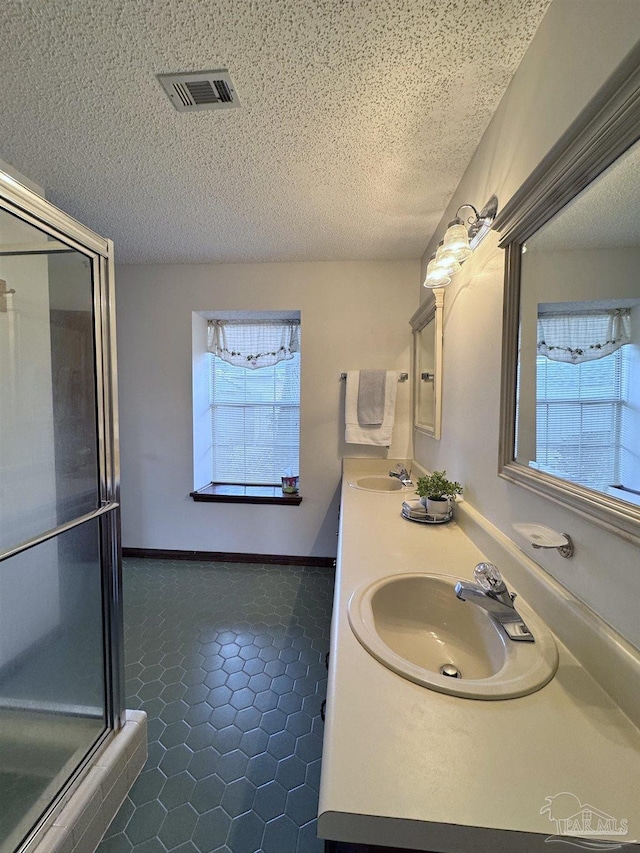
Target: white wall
(353, 315)
(577, 47)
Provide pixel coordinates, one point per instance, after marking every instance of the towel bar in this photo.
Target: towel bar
(402, 378)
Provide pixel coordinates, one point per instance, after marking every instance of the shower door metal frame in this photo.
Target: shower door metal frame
(31, 208)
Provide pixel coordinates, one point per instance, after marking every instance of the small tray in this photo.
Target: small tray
(430, 519)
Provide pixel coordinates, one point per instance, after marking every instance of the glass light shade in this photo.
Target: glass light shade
(436, 276)
(446, 261)
(456, 241)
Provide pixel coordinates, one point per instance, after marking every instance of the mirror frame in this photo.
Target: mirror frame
(607, 127)
(431, 309)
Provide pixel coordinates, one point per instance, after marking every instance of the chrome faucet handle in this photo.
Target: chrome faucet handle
(491, 593)
(488, 577)
(402, 474)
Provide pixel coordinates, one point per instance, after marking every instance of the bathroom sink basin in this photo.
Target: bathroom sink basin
(377, 483)
(414, 625)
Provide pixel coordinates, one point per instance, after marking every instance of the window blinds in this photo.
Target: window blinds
(579, 416)
(255, 421)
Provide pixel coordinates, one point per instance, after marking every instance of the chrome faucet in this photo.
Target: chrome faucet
(402, 474)
(491, 593)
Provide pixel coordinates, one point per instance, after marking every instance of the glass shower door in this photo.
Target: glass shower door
(59, 574)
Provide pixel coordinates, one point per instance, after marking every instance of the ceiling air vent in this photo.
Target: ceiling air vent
(200, 90)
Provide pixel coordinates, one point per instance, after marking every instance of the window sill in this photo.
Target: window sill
(245, 494)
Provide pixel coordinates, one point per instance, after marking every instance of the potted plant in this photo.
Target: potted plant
(436, 491)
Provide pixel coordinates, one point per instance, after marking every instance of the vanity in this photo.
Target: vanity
(405, 766)
(538, 744)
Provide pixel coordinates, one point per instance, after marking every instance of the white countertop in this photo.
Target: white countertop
(406, 766)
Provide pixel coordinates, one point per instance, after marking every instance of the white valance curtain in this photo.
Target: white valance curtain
(254, 345)
(587, 336)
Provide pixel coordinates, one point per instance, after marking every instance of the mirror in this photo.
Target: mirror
(570, 425)
(427, 364)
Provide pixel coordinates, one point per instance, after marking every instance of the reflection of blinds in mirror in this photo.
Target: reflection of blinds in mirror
(579, 434)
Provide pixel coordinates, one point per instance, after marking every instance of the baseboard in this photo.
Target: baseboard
(229, 557)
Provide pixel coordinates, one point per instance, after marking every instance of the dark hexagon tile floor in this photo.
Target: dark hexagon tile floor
(228, 662)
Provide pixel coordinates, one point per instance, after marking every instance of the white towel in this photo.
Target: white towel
(378, 435)
(414, 509)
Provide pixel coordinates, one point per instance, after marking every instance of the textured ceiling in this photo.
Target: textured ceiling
(357, 119)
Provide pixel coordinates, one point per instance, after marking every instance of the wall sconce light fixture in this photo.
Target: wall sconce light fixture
(460, 239)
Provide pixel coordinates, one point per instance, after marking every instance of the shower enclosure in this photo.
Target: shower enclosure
(61, 696)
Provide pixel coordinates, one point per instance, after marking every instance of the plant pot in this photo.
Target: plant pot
(439, 507)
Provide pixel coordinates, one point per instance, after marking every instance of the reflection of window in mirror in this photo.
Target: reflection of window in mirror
(427, 364)
(587, 396)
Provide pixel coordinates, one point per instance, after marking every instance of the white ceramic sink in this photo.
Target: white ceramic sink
(414, 624)
(377, 483)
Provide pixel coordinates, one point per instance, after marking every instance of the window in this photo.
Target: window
(579, 418)
(255, 421)
(246, 405)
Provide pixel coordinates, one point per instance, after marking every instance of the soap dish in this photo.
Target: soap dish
(540, 536)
